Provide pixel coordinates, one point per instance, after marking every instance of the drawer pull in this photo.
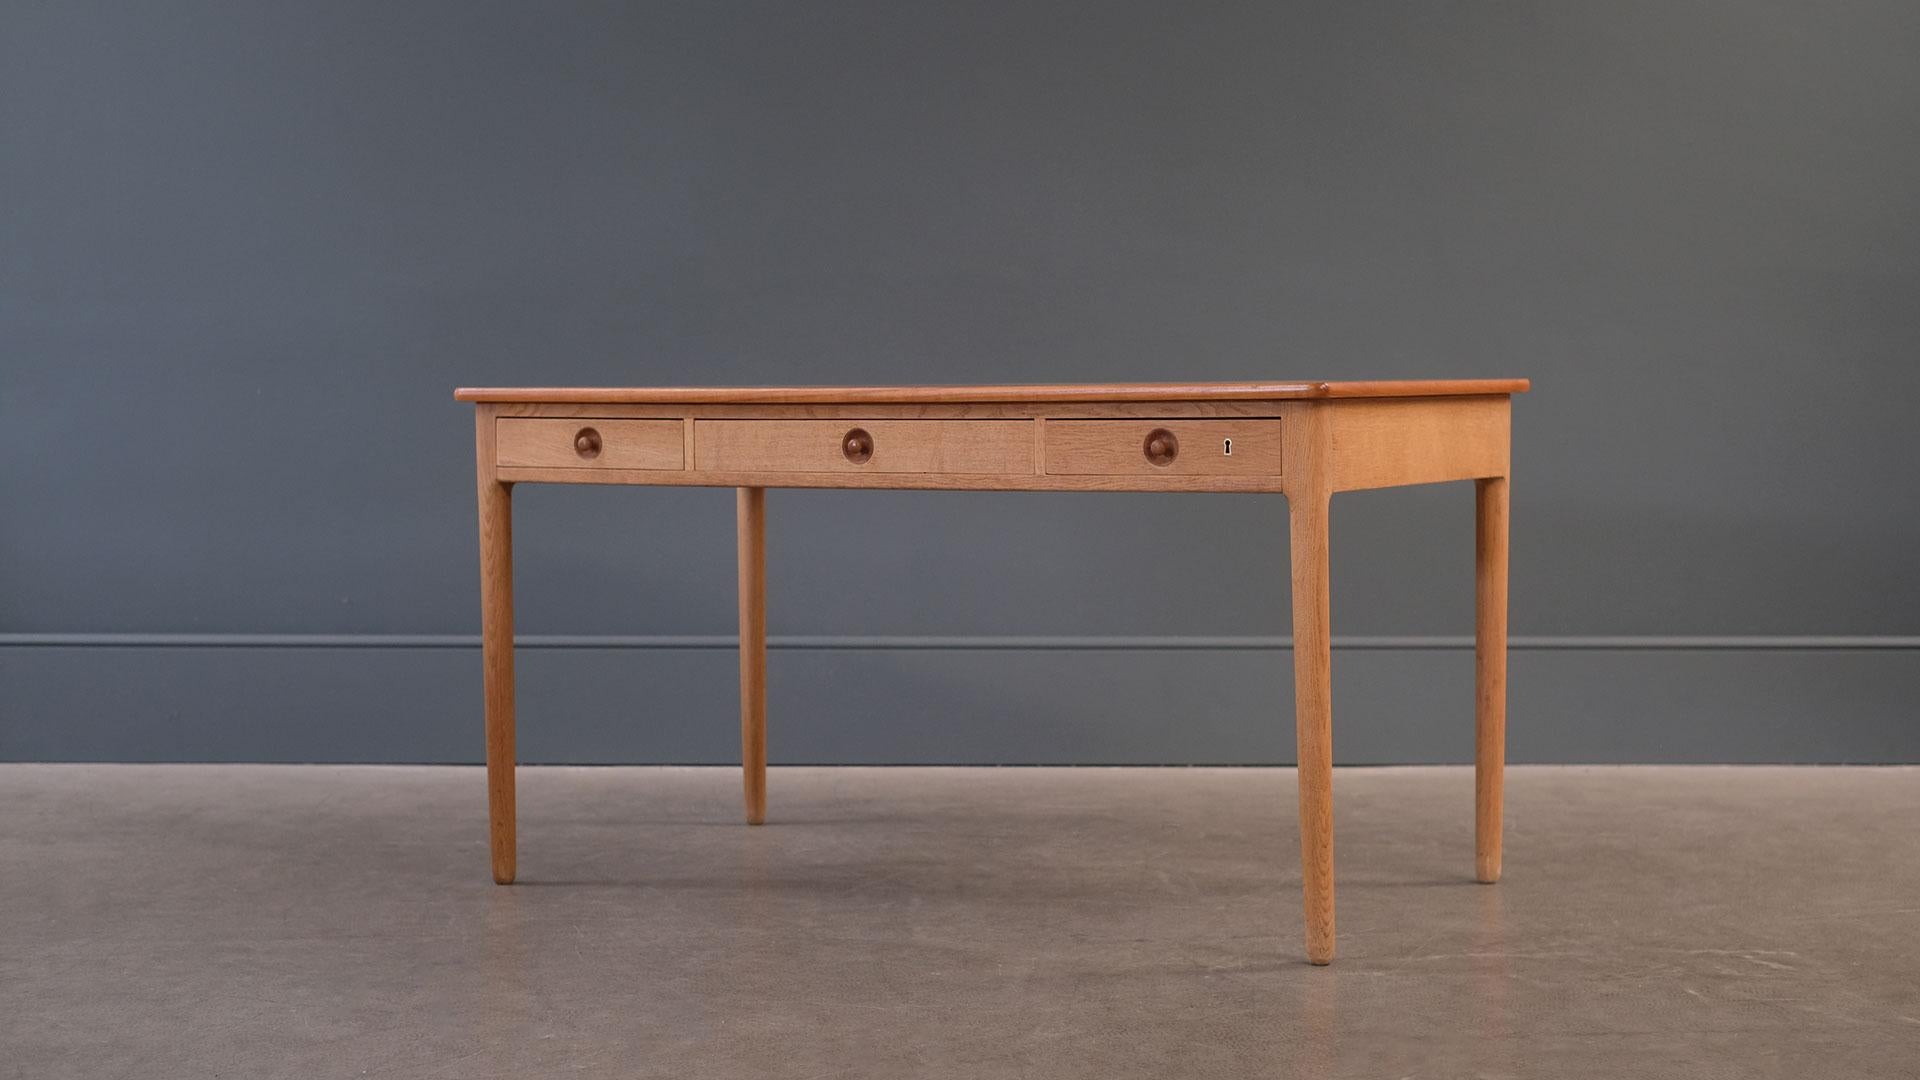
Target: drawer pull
(1161, 447)
(586, 443)
(858, 446)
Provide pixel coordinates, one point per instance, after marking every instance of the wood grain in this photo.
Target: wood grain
(1091, 392)
(624, 444)
(1308, 501)
(1313, 719)
(1490, 672)
(924, 410)
(496, 645)
(751, 533)
(950, 447)
(1379, 444)
(1114, 447)
(851, 478)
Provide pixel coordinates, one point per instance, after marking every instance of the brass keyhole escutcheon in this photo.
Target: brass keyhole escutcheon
(1227, 447)
(858, 446)
(1161, 447)
(586, 443)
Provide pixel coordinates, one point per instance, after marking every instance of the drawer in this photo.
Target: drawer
(588, 443)
(1163, 447)
(878, 446)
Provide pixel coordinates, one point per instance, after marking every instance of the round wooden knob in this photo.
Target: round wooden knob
(1161, 447)
(586, 443)
(858, 446)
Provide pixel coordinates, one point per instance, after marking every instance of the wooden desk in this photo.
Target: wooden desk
(1304, 440)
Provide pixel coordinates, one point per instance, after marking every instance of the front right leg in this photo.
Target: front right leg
(1313, 715)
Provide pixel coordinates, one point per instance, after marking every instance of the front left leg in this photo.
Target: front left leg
(496, 649)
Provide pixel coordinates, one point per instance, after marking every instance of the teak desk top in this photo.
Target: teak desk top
(1303, 440)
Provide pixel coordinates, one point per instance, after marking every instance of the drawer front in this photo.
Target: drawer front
(589, 443)
(951, 447)
(1163, 447)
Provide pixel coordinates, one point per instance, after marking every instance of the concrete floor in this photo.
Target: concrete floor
(242, 921)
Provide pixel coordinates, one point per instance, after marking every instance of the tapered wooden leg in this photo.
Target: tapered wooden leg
(1313, 717)
(496, 650)
(1490, 672)
(752, 529)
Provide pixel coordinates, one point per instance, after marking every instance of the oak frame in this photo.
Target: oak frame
(1333, 437)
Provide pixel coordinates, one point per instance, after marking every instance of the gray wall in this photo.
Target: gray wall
(247, 251)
